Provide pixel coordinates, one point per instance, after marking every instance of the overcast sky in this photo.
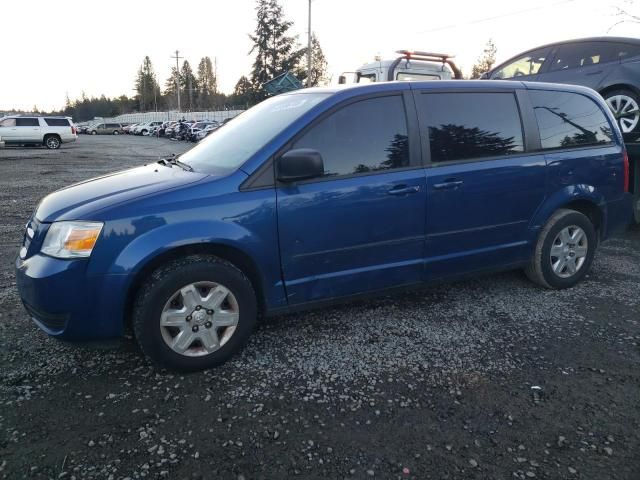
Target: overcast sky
(97, 47)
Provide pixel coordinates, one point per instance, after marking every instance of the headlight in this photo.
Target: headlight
(71, 239)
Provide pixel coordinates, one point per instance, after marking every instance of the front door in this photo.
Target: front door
(8, 130)
(482, 188)
(525, 68)
(360, 227)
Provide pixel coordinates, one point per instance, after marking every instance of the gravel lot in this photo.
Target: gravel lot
(487, 378)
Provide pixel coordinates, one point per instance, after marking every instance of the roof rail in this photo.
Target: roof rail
(425, 56)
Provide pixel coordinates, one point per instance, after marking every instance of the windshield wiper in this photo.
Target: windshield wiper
(173, 160)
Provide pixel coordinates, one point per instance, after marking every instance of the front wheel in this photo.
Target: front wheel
(625, 106)
(194, 313)
(116, 132)
(564, 251)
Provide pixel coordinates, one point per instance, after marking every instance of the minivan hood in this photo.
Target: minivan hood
(83, 200)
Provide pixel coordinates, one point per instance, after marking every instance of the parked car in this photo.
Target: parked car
(167, 129)
(208, 130)
(200, 126)
(609, 65)
(145, 128)
(319, 195)
(128, 128)
(49, 131)
(105, 129)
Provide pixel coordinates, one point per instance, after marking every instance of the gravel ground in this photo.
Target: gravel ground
(487, 378)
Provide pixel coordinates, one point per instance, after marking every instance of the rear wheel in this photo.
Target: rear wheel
(194, 313)
(52, 142)
(93, 132)
(625, 106)
(564, 252)
(116, 132)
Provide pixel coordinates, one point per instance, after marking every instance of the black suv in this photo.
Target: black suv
(609, 65)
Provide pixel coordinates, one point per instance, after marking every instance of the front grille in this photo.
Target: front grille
(53, 321)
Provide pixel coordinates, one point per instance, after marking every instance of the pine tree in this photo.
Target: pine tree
(207, 83)
(189, 86)
(276, 52)
(147, 88)
(486, 60)
(319, 65)
(243, 92)
(171, 83)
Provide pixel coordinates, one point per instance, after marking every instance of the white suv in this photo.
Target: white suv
(145, 128)
(48, 131)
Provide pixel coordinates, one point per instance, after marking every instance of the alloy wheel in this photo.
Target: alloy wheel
(626, 111)
(53, 143)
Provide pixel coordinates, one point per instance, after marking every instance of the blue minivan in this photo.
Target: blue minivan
(322, 195)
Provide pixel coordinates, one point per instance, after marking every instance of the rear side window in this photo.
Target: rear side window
(27, 122)
(568, 120)
(8, 122)
(584, 54)
(57, 122)
(627, 50)
(466, 126)
(366, 136)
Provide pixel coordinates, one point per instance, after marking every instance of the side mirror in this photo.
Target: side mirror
(484, 76)
(342, 80)
(299, 164)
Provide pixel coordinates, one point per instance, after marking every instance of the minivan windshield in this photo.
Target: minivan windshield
(234, 143)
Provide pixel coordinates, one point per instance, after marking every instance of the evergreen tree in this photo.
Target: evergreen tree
(147, 88)
(243, 92)
(170, 89)
(207, 84)
(189, 87)
(486, 60)
(276, 52)
(319, 65)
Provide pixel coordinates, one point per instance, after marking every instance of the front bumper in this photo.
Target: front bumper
(67, 303)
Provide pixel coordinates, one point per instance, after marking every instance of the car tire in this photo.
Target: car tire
(179, 320)
(93, 132)
(564, 251)
(52, 142)
(622, 100)
(115, 132)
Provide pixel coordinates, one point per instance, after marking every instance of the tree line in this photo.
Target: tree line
(276, 51)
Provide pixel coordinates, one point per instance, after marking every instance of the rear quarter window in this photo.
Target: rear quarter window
(569, 120)
(57, 122)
